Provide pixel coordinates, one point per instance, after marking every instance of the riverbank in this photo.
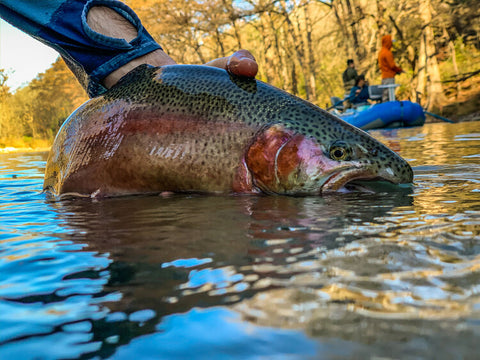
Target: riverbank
(460, 108)
(9, 149)
(464, 103)
(24, 145)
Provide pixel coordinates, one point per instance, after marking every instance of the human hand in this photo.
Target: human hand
(240, 63)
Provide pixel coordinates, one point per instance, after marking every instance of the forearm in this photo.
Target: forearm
(118, 27)
(100, 40)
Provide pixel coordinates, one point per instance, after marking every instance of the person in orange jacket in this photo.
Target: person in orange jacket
(387, 64)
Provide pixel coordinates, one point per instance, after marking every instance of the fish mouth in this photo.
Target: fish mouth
(354, 179)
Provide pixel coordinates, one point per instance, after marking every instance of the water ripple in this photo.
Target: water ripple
(390, 274)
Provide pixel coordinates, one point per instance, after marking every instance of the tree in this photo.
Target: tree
(39, 109)
(301, 46)
(429, 80)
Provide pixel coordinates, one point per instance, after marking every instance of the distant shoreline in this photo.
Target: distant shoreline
(474, 116)
(11, 149)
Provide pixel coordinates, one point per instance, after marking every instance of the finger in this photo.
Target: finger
(242, 63)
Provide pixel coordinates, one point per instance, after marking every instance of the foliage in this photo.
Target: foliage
(300, 45)
(37, 111)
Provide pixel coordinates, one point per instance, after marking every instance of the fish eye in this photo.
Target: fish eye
(339, 151)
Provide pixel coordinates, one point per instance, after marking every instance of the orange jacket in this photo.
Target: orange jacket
(385, 59)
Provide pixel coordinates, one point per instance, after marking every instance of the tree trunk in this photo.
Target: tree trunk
(284, 80)
(233, 16)
(451, 45)
(297, 44)
(352, 17)
(429, 80)
(310, 54)
(260, 53)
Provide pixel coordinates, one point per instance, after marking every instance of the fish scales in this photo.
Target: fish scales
(187, 128)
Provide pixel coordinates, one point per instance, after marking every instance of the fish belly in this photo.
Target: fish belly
(120, 149)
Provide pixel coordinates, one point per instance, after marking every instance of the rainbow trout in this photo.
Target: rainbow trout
(187, 128)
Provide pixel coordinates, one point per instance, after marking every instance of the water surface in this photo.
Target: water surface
(391, 274)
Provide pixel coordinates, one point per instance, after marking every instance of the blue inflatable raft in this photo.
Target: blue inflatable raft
(390, 114)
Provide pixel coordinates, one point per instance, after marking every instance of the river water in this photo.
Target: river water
(391, 274)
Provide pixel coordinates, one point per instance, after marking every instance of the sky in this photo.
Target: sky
(22, 56)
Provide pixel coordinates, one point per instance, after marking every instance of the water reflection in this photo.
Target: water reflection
(170, 255)
(389, 274)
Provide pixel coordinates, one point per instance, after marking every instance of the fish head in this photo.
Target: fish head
(313, 159)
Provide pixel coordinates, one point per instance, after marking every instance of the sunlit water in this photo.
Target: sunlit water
(384, 275)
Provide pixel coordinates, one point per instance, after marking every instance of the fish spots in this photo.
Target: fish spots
(187, 128)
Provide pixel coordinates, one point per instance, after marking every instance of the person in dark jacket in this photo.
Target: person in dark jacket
(359, 93)
(349, 76)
